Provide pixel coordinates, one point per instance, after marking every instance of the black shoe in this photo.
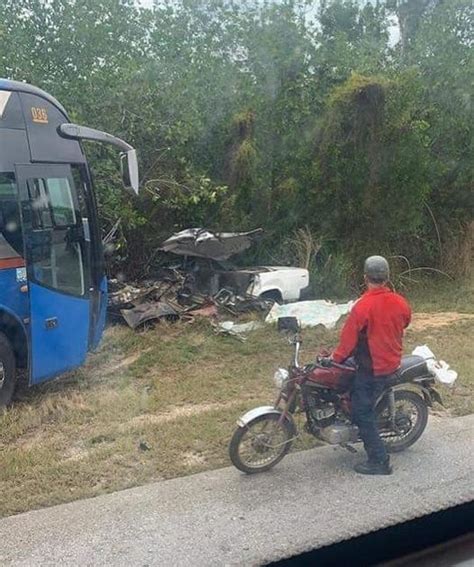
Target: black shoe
(371, 467)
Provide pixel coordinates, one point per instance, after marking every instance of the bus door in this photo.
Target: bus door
(57, 268)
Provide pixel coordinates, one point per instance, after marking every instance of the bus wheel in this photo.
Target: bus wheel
(7, 371)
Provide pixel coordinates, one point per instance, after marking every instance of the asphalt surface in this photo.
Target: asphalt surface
(223, 517)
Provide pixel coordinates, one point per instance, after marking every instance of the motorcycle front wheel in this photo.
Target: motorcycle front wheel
(261, 444)
(411, 417)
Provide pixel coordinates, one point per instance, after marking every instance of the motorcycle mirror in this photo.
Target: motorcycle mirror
(288, 324)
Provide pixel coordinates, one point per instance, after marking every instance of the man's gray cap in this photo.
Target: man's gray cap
(376, 268)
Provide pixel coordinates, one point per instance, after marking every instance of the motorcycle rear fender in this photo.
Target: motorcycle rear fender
(244, 420)
(429, 394)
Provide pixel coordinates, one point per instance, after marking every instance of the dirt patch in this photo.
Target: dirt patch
(422, 321)
(121, 364)
(177, 413)
(76, 453)
(193, 459)
(29, 440)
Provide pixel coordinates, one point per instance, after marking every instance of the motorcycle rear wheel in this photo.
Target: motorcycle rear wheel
(411, 414)
(261, 444)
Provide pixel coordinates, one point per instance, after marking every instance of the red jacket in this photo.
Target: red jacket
(373, 332)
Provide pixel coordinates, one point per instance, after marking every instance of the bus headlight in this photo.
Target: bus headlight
(281, 377)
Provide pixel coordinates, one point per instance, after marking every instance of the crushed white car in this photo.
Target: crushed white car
(206, 254)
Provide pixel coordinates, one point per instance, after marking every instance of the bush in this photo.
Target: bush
(332, 276)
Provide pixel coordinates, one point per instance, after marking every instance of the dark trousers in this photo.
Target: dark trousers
(366, 390)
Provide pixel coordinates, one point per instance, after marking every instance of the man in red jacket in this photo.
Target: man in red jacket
(373, 334)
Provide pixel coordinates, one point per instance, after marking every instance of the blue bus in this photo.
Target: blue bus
(53, 289)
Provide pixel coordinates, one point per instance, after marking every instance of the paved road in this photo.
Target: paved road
(225, 518)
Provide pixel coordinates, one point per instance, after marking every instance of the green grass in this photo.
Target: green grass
(163, 403)
(441, 294)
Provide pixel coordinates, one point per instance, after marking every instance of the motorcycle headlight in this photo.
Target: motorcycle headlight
(281, 377)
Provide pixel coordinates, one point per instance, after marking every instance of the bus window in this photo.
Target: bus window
(11, 239)
(60, 199)
(39, 203)
(81, 193)
(57, 247)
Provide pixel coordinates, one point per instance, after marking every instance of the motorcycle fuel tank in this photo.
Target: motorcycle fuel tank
(332, 378)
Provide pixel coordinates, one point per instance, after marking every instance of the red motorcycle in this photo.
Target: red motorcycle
(323, 395)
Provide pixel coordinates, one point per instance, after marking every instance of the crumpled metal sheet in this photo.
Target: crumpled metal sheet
(207, 244)
(175, 293)
(147, 312)
(237, 304)
(122, 295)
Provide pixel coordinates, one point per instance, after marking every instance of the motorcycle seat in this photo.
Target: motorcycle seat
(411, 367)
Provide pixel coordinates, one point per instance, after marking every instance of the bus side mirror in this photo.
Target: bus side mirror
(128, 158)
(129, 168)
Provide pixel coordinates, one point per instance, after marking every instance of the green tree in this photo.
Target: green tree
(276, 114)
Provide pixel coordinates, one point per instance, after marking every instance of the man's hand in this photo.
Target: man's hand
(325, 361)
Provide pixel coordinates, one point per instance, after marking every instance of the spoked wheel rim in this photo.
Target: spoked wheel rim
(262, 443)
(407, 417)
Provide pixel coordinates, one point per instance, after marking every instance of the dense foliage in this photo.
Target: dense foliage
(341, 127)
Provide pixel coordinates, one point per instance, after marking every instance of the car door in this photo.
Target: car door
(57, 269)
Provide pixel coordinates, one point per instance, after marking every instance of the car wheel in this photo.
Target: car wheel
(273, 295)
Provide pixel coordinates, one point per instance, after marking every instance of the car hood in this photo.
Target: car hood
(284, 268)
(267, 269)
(207, 244)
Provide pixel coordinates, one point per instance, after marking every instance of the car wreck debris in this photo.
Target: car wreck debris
(203, 243)
(174, 297)
(203, 283)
